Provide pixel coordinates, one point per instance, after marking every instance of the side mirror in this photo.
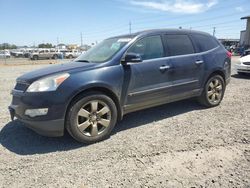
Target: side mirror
(131, 58)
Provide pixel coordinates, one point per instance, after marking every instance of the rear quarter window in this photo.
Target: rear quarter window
(205, 43)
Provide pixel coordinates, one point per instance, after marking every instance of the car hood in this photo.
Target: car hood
(56, 69)
(245, 59)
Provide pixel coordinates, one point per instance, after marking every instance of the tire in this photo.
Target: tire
(35, 57)
(213, 91)
(70, 56)
(87, 116)
(55, 57)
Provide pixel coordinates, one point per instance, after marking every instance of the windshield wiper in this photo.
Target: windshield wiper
(82, 60)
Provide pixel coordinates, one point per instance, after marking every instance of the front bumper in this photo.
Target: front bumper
(51, 124)
(242, 68)
(52, 128)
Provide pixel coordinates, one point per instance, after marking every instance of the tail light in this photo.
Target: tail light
(229, 54)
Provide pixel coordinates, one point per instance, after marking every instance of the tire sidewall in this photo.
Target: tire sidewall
(72, 118)
(206, 89)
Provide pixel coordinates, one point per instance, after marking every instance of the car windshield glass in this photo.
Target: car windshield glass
(104, 50)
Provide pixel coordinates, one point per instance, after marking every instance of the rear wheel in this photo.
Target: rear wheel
(213, 91)
(91, 118)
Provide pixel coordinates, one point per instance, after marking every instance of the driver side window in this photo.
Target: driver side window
(148, 48)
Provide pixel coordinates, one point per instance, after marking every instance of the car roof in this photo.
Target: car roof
(162, 31)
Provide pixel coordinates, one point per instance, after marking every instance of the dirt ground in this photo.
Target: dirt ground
(175, 145)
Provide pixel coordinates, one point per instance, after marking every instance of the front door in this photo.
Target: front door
(149, 79)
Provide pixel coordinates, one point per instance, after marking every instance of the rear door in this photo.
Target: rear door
(187, 65)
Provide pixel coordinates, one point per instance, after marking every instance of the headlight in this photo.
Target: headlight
(50, 83)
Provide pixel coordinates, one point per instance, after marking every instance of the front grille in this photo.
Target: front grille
(246, 63)
(21, 86)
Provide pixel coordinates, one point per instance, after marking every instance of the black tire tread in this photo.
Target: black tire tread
(202, 99)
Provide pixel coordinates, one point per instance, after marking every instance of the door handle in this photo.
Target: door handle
(164, 67)
(199, 62)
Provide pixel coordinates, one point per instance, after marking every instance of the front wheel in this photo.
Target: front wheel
(91, 118)
(35, 57)
(213, 91)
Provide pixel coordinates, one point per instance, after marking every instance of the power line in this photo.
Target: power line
(150, 19)
(121, 29)
(173, 25)
(181, 17)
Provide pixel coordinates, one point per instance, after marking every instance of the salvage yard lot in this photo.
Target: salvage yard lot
(176, 145)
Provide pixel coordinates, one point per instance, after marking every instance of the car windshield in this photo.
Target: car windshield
(104, 51)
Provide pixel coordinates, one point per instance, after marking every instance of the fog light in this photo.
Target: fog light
(36, 112)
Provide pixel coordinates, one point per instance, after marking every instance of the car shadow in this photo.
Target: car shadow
(241, 76)
(15, 137)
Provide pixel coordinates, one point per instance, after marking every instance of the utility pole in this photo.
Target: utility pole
(130, 27)
(214, 30)
(57, 41)
(81, 39)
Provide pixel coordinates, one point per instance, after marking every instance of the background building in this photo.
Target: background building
(245, 35)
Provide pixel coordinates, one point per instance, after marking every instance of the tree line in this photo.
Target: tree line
(4, 46)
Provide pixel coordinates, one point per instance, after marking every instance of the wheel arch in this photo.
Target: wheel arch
(100, 89)
(217, 72)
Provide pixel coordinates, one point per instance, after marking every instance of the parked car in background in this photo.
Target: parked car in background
(44, 54)
(27, 52)
(4, 54)
(120, 75)
(246, 52)
(16, 53)
(72, 54)
(244, 66)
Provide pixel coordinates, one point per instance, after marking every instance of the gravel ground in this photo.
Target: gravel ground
(175, 145)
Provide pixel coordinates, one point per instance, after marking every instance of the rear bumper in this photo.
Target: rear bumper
(51, 128)
(242, 68)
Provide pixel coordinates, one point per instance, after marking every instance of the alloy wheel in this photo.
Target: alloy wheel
(215, 91)
(93, 118)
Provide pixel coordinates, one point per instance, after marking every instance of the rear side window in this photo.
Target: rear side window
(148, 47)
(178, 45)
(204, 42)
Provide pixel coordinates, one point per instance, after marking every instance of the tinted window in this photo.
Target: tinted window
(205, 43)
(148, 48)
(178, 45)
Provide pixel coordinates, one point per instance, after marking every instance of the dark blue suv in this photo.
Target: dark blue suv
(120, 75)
